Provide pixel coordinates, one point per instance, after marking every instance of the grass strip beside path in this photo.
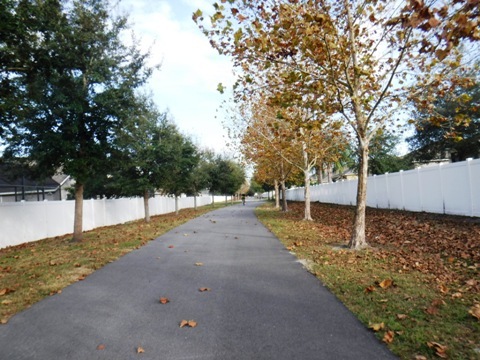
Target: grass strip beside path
(31, 271)
(418, 287)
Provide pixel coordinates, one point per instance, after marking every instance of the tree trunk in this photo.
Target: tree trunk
(176, 205)
(284, 197)
(306, 176)
(319, 170)
(146, 206)
(277, 194)
(358, 240)
(78, 220)
(308, 215)
(213, 200)
(330, 173)
(195, 202)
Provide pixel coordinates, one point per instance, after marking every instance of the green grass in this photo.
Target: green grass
(413, 308)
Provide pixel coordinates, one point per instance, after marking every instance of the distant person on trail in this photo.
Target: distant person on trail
(243, 199)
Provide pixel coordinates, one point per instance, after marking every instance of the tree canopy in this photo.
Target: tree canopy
(69, 83)
(358, 62)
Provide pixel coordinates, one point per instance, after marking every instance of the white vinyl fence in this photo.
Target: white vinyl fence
(23, 222)
(446, 189)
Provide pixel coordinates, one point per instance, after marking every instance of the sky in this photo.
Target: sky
(190, 68)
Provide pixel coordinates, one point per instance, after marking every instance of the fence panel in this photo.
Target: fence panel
(23, 222)
(474, 176)
(431, 189)
(395, 191)
(448, 188)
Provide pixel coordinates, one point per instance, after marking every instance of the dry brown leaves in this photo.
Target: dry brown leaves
(447, 247)
(188, 323)
(440, 350)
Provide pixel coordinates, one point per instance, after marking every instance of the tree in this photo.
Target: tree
(183, 159)
(357, 60)
(225, 176)
(451, 124)
(200, 175)
(76, 82)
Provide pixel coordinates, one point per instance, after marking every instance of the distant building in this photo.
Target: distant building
(24, 188)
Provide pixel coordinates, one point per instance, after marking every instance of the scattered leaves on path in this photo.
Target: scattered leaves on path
(188, 323)
(171, 247)
(198, 264)
(164, 300)
(419, 277)
(140, 350)
(101, 347)
(203, 289)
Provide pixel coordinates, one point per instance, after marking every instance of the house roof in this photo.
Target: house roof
(8, 181)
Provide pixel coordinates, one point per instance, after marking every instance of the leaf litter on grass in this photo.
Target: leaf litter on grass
(419, 277)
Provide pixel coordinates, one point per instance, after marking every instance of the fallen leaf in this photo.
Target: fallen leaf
(443, 289)
(439, 348)
(164, 300)
(402, 316)
(189, 323)
(471, 282)
(419, 357)
(183, 323)
(385, 284)
(377, 327)
(369, 289)
(431, 310)
(3, 321)
(140, 350)
(6, 302)
(101, 347)
(6, 291)
(198, 264)
(203, 289)
(475, 311)
(388, 337)
(170, 247)
(457, 295)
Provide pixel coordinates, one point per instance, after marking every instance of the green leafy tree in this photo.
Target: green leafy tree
(183, 159)
(225, 176)
(451, 124)
(75, 80)
(199, 179)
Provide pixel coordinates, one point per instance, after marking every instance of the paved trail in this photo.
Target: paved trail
(262, 304)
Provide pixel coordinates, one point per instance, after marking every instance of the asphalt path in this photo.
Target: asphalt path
(261, 303)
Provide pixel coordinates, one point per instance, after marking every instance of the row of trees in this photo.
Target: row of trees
(71, 100)
(313, 74)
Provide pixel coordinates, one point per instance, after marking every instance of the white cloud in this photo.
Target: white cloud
(191, 69)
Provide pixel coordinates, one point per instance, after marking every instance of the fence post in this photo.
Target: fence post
(470, 183)
(420, 189)
(442, 188)
(402, 190)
